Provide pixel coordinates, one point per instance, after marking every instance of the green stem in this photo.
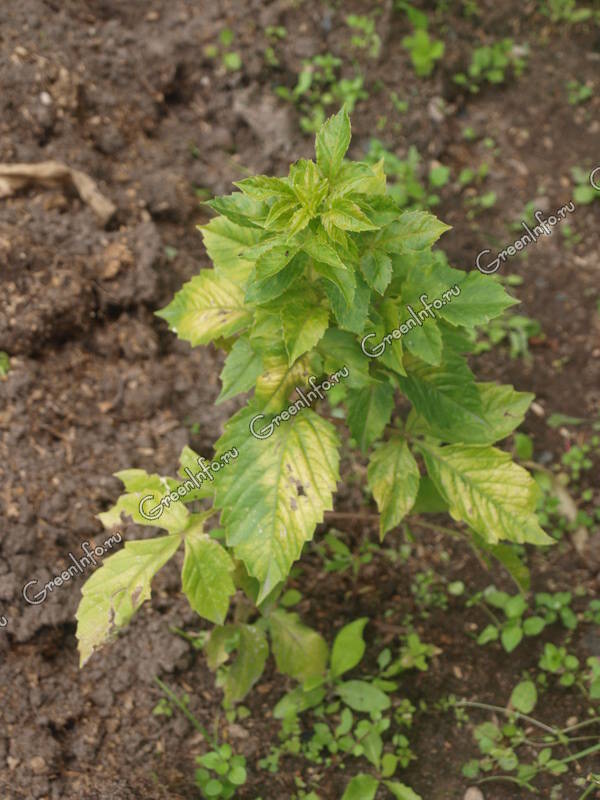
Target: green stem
(185, 711)
(580, 725)
(507, 713)
(510, 780)
(581, 754)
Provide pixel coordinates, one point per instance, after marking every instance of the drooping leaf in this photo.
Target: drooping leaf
(369, 411)
(240, 371)
(332, 143)
(206, 576)
(393, 477)
(339, 349)
(207, 307)
(348, 647)
(299, 651)
(376, 266)
(277, 494)
(489, 492)
(112, 595)
(350, 317)
(248, 665)
(304, 323)
(447, 397)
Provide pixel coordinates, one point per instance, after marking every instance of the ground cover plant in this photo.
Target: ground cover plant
(322, 288)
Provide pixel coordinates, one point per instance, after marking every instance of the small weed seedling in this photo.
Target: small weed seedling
(365, 36)
(578, 92)
(565, 11)
(424, 51)
(583, 193)
(489, 64)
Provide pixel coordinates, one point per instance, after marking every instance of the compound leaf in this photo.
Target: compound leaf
(112, 595)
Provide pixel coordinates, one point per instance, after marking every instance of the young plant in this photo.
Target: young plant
(424, 51)
(314, 274)
(489, 63)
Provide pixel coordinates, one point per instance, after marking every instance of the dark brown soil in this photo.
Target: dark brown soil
(123, 92)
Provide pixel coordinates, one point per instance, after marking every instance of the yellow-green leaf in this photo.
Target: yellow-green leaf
(393, 477)
(115, 591)
(206, 308)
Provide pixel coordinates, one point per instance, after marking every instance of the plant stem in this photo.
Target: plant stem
(581, 754)
(580, 725)
(185, 711)
(507, 713)
(510, 779)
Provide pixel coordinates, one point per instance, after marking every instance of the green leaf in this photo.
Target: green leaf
(299, 651)
(241, 210)
(264, 187)
(242, 368)
(248, 665)
(112, 595)
(277, 494)
(274, 260)
(363, 696)
(447, 397)
(414, 230)
(489, 492)
(393, 478)
(340, 348)
(297, 701)
(309, 186)
(357, 177)
(303, 326)
(524, 697)
(332, 142)
(348, 647)
(480, 301)
(488, 634)
(351, 317)
(401, 791)
(267, 289)
(206, 308)
(511, 636)
(533, 626)
(376, 266)
(206, 576)
(225, 241)
(361, 787)
(369, 411)
(346, 215)
(341, 278)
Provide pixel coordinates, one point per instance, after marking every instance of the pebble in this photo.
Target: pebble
(474, 794)
(38, 765)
